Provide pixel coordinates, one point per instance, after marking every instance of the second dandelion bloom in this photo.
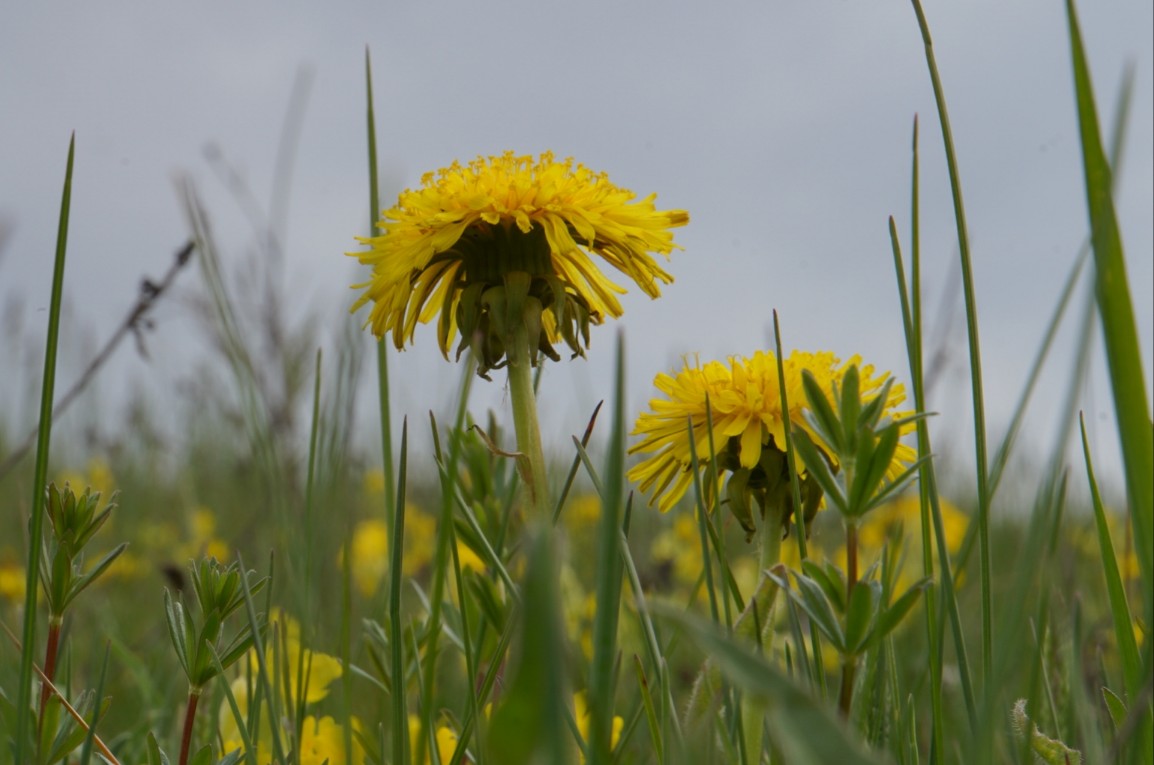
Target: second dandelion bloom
(447, 250)
(741, 400)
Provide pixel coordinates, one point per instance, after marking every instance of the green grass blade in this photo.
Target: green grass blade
(609, 573)
(530, 724)
(986, 575)
(396, 643)
(36, 523)
(445, 537)
(382, 347)
(932, 526)
(305, 549)
(1119, 609)
(803, 728)
(1123, 352)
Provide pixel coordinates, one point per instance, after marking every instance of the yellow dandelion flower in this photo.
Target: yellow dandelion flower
(445, 244)
(581, 716)
(446, 740)
(745, 408)
(323, 740)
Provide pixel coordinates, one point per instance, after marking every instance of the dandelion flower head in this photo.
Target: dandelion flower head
(742, 400)
(445, 245)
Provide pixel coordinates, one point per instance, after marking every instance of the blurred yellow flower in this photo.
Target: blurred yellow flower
(582, 512)
(97, 476)
(468, 226)
(320, 738)
(1085, 539)
(323, 741)
(679, 549)
(12, 581)
(370, 550)
(747, 416)
(446, 741)
(901, 519)
(374, 482)
(581, 715)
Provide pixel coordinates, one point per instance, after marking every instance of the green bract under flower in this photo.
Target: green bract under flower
(509, 239)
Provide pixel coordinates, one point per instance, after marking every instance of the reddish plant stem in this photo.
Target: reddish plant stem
(50, 652)
(189, 719)
(849, 665)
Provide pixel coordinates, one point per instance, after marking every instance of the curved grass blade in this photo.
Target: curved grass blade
(36, 524)
(1123, 352)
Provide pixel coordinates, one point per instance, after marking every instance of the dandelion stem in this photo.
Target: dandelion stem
(525, 418)
(761, 608)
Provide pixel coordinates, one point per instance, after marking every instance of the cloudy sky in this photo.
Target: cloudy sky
(784, 128)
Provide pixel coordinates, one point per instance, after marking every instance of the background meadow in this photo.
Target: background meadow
(227, 435)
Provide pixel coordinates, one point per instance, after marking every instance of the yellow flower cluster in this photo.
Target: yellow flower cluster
(742, 400)
(370, 550)
(321, 738)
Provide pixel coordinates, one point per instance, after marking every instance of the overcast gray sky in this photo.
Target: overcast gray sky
(782, 127)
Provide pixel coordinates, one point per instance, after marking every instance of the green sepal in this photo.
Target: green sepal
(737, 491)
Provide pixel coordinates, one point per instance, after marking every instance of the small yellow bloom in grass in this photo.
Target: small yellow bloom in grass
(370, 550)
(446, 244)
(323, 741)
(900, 519)
(12, 582)
(748, 420)
(446, 741)
(284, 648)
(581, 716)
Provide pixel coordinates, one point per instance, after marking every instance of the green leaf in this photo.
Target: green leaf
(817, 467)
(1115, 589)
(203, 756)
(529, 725)
(861, 615)
(831, 580)
(811, 599)
(85, 581)
(803, 728)
(155, 755)
(823, 418)
(850, 406)
(1115, 706)
(174, 618)
(891, 617)
(1123, 351)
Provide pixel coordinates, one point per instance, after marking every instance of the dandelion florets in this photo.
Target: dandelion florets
(447, 245)
(741, 400)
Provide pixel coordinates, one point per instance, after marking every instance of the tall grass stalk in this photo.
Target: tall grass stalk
(975, 351)
(610, 569)
(1123, 352)
(382, 346)
(39, 481)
